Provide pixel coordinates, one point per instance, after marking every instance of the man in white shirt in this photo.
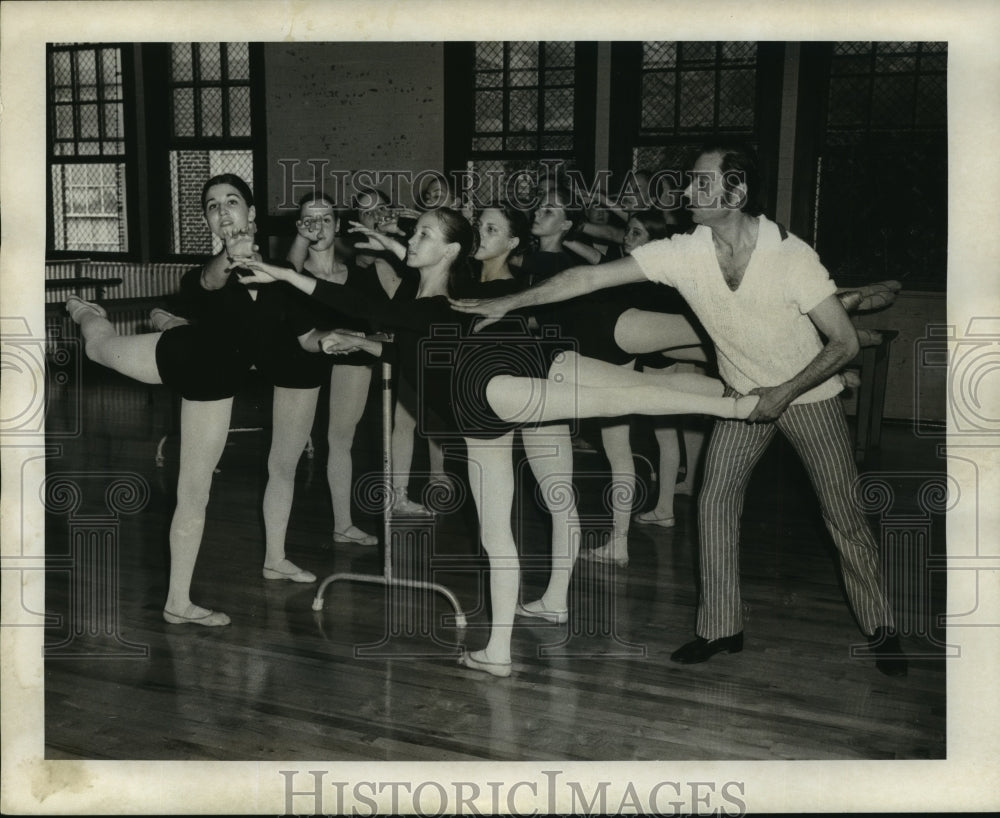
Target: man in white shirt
(765, 299)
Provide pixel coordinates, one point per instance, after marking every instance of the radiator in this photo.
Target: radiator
(138, 280)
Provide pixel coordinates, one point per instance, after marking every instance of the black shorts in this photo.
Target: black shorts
(200, 365)
(294, 368)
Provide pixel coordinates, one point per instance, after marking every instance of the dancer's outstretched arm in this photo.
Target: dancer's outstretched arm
(571, 283)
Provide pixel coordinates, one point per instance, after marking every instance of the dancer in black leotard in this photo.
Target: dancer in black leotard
(314, 253)
(505, 232)
(489, 392)
(206, 362)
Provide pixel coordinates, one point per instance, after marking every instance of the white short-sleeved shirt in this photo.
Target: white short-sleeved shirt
(762, 333)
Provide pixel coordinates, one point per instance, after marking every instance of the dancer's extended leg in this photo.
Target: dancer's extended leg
(531, 400)
(640, 331)
(293, 413)
(204, 428)
(131, 355)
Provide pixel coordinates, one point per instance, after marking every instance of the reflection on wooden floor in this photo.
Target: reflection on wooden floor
(373, 674)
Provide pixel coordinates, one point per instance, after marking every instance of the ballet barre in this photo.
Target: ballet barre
(387, 578)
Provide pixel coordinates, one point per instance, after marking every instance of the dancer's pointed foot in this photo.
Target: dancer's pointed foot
(195, 615)
(477, 661)
(286, 569)
(163, 320)
(871, 297)
(355, 535)
(538, 610)
(607, 554)
(744, 405)
(77, 308)
(869, 337)
(850, 378)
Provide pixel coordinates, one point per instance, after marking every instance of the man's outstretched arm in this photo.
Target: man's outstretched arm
(571, 283)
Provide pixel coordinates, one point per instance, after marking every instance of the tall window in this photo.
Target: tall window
(86, 149)
(881, 187)
(689, 92)
(209, 91)
(133, 133)
(529, 101)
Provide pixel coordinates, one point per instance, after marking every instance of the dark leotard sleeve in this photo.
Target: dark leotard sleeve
(395, 315)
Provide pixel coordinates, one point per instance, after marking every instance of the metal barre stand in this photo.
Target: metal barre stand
(387, 578)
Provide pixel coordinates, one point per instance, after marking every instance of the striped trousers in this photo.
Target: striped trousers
(818, 432)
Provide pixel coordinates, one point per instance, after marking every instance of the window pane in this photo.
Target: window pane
(211, 112)
(487, 143)
(209, 61)
(180, 62)
(559, 109)
(560, 54)
(64, 122)
(239, 61)
(523, 111)
(86, 68)
(489, 79)
(557, 143)
(110, 66)
(88, 207)
(739, 52)
(183, 112)
(489, 111)
(113, 121)
(852, 48)
(88, 122)
(659, 54)
(61, 71)
(560, 76)
(489, 55)
(658, 100)
(698, 52)
(523, 55)
(524, 77)
(697, 99)
(239, 111)
(736, 99)
(522, 143)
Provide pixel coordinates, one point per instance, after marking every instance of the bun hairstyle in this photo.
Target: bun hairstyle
(456, 229)
(518, 223)
(232, 180)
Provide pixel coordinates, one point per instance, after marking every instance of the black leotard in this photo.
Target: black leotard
(448, 366)
(306, 314)
(257, 325)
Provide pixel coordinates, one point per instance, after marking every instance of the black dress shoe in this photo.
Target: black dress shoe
(889, 657)
(701, 649)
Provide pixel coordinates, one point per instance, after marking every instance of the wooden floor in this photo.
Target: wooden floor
(373, 675)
